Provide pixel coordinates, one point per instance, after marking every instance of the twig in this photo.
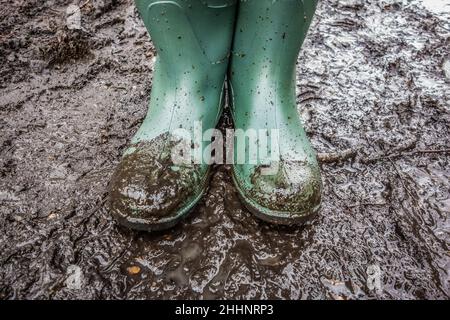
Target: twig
(398, 155)
(337, 156)
(85, 4)
(367, 204)
(54, 10)
(93, 211)
(432, 151)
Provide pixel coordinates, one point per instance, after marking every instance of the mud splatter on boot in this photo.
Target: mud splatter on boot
(149, 192)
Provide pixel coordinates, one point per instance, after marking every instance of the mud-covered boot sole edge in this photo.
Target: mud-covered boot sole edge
(165, 223)
(272, 216)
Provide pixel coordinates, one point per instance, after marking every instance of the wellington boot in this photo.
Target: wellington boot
(284, 187)
(149, 189)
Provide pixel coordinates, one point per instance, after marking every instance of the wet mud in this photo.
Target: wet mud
(373, 91)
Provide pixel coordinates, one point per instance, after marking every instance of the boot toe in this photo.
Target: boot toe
(292, 195)
(149, 193)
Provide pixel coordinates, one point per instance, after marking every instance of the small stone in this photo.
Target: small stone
(73, 17)
(52, 216)
(11, 57)
(74, 279)
(446, 68)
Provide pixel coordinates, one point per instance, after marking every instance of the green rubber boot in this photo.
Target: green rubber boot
(268, 38)
(149, 190)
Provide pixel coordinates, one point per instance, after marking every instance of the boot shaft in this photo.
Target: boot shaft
(193, 42)
(268, 38)
(190, 34)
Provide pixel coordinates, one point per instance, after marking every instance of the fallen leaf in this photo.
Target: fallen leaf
(133, 270)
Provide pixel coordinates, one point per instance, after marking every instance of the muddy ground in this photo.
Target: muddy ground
(373, 90)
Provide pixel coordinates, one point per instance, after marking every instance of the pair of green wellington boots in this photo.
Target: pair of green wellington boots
(164, 172)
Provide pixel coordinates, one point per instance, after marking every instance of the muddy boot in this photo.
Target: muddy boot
(162, 176)
(285, 186)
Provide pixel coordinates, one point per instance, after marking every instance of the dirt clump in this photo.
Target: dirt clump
(67, 46)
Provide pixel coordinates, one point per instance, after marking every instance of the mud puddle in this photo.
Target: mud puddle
(373, 91)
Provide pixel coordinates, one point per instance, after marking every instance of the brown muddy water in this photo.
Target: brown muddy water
(373, 90)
